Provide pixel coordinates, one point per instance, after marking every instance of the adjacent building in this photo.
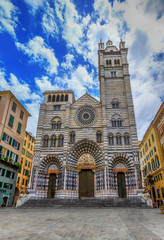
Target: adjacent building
(89, 148)
(13, 120)
(26, 159)
(151, 157)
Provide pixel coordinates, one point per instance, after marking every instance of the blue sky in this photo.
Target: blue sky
(52, 44)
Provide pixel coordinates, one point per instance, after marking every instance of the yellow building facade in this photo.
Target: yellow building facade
(152, 162)
(26, 162)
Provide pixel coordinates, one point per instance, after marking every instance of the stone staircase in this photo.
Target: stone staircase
(86, 202)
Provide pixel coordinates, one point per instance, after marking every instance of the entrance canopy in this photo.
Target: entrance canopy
(82, 148)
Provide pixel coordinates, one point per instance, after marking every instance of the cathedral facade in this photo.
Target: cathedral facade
(89, 148)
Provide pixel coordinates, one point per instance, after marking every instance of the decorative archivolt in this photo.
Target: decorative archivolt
(121, 158)
(49, 160)
(85, 146)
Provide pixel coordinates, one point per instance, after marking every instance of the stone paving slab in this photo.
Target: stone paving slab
(81, 223)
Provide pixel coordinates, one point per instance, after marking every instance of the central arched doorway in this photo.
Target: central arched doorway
(86, 164)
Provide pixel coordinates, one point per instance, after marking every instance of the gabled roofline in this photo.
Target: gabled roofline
(83, 96)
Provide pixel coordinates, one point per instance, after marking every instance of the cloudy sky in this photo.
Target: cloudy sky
(52, 44)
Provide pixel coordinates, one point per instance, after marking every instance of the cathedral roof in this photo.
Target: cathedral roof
(86, 99)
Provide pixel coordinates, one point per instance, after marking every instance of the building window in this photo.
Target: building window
(10, 174)
(0, 98)
(62, 98)
(157, 161)
(66, 97)
(126, 139)
(72, 137)
(2, 172)
(53, 98)
(26, 182)
(153, 165)
(58, 98)
(116, 123)
(115, 105)
(149, 167)
(18, 180)
(113, 74)
(162, 190)
(11, 120)
(45, 141)
(53, 141)
(149, 143)
(155, 149)
(99, 137)
(14, 106)
(19, 127)
(29, 145)
(118, 139)
(8, 185)
(111, 139)
(158, 193)
(57, 107)
(60, 141)
(152, 137)
(49, 98)
(160, 176)
(24, 142)
(21, 114)
(58, 125)
(23, 182)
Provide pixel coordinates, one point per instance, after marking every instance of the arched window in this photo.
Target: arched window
(60, 141)
(118, 61)
(115, 61)
(116, 121)
(45, 141)
(126, 139)
(53, 141)
(99, 136)
(49, 98)
(57, 98)
(110, 62)
(66, 97)
(58, 125)
(72, 137)
(118, 139)
(53, 98)
(106, 62)
(111, 139)
(62, 98)
(54, 125)
(115, 103)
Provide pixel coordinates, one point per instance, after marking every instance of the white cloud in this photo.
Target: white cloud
(39, 52)
(80, 81)
(48, 22)
(35, 4)
(8, 17)
(33, 108)
(19, 88)
(45, 84)
(68, 63)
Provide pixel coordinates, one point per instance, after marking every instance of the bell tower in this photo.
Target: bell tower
(116, 99)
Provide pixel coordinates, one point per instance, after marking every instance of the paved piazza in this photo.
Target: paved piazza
(81, 223)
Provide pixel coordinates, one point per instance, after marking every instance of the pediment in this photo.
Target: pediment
(86, 99)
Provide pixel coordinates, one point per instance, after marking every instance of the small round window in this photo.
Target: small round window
(86, 115)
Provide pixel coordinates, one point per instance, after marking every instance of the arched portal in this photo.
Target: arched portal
(87, 157)
(50, 172)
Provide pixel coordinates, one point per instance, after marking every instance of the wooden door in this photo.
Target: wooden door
(51, 186)
(86, 184)
(121, 185)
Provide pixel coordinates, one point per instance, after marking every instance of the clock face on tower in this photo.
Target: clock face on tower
(86, 116)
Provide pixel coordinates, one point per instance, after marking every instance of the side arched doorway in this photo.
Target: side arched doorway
(121, 185)
(52, 171)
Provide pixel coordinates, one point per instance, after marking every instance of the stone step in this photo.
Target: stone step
(67, 203)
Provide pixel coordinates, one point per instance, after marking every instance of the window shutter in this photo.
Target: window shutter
(11, 153)
(8, 151)
(4, 136)
(16, 159)
(0, 148)
(13, 142)
(19, 127)
(10, 140)
(18, 146)
(11, 120)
